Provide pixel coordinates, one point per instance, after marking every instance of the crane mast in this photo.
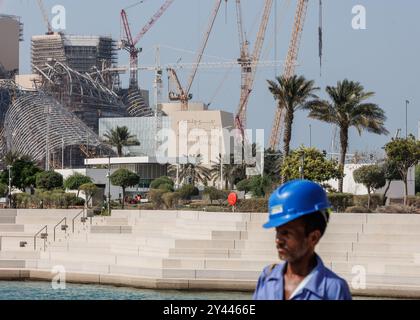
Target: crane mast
(248, 64)
(130, 43)
(45, 16)
(289, 68)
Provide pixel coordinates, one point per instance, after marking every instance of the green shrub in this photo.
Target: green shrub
(215, 194)
(396, 209)
(243, 185)
(413, 201)
(77, 201)
(155, 184)
(362, 200)
(187, 191)
(4, 189)
(155, 197)
(171, 199)
(340, 201)
(49, 180)
(252, 205)
(166, 187)
(357, 209)
(147, 206)
(22, 200)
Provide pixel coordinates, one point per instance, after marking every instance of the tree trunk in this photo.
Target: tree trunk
(386, 191)
(405, 188)
(287, 131)
(119, 150)
(368, 198)
(344, 139)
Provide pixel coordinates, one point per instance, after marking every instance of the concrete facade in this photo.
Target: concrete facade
(396, 189)
(10, 35)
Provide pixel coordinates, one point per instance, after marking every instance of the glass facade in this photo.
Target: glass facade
(144, 128)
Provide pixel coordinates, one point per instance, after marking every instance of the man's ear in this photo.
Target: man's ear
(314, 237)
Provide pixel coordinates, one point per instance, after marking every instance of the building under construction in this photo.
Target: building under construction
(84, 54)
(80, 72)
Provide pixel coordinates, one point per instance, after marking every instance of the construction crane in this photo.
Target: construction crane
(183, 95)
(249, 62)
(289, 68)
(45, 16)
(130, 43)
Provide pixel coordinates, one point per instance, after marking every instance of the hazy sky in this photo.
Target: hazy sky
(384, 57)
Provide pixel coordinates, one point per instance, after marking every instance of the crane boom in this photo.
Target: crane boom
(153, 20)
(130, 43)
(45, 16)
(249, 72)
(203, 45)
(289, 68)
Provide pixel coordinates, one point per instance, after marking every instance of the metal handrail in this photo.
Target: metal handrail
(75, 217)
(55, 227)
(36, 235)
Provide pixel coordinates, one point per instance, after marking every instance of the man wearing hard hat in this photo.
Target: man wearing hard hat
(299, 210)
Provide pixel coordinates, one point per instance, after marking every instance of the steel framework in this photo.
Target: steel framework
(39, 126)
(86, 95)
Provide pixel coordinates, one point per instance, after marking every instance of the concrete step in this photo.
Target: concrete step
(11, 228)
(111, 229)
(12, 263)
(8, 212)
(412, 229)
(7, 220)
(17, 255)
(386, 247)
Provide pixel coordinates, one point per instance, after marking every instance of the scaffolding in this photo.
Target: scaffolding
(86, 96)
(84, 54)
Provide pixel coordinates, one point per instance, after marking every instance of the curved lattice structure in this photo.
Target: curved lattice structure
(37, 125)
(87, 97)
(8, 92)
(137, 107)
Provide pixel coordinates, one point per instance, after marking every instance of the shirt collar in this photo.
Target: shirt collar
(316, 284)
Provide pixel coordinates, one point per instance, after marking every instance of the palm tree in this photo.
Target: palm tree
(232, 173)
(191, 172)
(291, 94)
(120, 137)
(348, 109)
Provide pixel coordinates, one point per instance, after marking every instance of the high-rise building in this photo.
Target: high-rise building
(11, 32)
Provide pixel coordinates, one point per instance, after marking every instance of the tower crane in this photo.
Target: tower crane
(45, 16)
(183, 95)
(249, 62)
(289, 68)
(130, 43)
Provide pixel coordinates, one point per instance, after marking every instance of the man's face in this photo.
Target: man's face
(291, 242)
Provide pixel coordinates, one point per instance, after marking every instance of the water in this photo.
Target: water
(30, 290)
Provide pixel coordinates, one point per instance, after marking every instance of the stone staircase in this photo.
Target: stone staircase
(378, 254)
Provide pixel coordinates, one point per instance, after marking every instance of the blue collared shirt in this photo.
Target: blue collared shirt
(323, 285)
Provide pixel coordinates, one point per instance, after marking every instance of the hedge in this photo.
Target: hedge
(340, 201)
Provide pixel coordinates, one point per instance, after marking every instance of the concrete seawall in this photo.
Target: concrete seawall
(378, 254)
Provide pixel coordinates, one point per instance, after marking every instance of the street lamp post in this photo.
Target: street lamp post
(406, 119)
(10, 186)
(310, 136)
(109, 185)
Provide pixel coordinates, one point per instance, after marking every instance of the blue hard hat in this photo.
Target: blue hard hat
(293, 200)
